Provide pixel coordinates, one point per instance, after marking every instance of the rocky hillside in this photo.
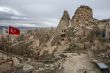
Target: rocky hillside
(79, 33)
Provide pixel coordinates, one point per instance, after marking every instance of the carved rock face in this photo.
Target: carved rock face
(64, 22)
(83, 16)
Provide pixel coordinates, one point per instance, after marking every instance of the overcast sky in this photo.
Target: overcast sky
(48, 12)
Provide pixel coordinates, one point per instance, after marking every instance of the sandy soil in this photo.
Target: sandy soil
(79, 64)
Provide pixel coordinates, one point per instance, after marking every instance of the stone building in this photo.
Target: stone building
(108, 29)
(104, 26)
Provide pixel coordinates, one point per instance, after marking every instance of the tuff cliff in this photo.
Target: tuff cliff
(64, 21)
(82, 17)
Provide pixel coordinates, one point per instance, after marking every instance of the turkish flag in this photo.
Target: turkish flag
(13, 30)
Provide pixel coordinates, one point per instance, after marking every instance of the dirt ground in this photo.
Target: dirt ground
(79, 64)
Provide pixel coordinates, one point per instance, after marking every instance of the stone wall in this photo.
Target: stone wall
(104, 25)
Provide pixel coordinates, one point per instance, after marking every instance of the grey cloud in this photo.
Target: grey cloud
(52, 10)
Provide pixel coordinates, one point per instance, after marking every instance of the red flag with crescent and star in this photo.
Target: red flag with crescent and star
(13, 30)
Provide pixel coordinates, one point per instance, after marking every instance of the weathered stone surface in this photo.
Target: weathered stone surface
(83, 16)
(104, 25)
(64, 22)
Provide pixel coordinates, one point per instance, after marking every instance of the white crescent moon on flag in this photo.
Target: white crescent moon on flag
(12, 30)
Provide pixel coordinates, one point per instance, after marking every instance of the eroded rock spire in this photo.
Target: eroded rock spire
(64, 22)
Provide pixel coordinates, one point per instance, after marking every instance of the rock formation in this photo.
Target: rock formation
(82, 34)
(64, 21)
(83, 16)
(79, 28)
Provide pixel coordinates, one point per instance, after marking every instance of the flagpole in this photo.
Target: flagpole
(9, 40)
(9, 45)
(2, 43)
